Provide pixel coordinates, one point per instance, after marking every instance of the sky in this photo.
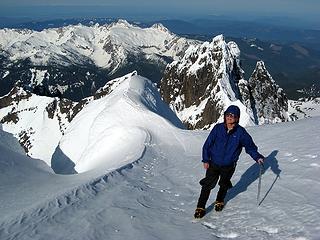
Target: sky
(306, 10)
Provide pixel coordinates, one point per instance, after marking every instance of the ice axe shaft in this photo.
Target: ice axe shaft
(259, 184)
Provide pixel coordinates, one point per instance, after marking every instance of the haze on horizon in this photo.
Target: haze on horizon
(283, 10)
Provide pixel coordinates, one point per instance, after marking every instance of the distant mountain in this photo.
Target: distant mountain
(39, 25)
(74, 61)
(295, 66)
(281, 31)
(265, 31)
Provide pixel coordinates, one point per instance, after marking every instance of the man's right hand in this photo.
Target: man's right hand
(260, 161)
(206, 165)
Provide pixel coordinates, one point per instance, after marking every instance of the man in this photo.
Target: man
(220, 154)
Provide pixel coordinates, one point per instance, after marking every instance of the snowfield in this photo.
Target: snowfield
(138, 173)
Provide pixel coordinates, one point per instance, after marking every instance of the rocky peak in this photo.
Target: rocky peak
(207, 74)
(260, 72)
(209, 78)
(268, 101)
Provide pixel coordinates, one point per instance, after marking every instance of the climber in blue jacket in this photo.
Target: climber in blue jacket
(220, 154)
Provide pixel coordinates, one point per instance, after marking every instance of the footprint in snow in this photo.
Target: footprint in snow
(178, 209)
(227, 235)
(270, 230)
(209, 225)
(220, 235)
(311, 156)
(315, 165)
(165, 190)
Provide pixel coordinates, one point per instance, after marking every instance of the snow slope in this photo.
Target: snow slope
(149, 187)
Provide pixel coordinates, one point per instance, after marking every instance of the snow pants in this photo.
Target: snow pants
(213, 174)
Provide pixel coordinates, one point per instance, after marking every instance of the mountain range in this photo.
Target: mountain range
(74, 61)
(294, 65)
(200, 80)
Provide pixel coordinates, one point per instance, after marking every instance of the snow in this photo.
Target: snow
(255, 46)
(234, 49)
(37, 76)
(149, 187)
(303, 109)
(6, 73)
(192, 113)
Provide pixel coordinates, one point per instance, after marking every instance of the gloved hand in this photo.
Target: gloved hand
(260, 161)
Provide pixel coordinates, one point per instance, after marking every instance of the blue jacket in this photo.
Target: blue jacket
(223, 148)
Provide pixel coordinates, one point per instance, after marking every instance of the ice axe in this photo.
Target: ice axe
(259, 184)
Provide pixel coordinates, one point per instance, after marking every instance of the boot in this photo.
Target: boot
(199, 213)
(218, 206)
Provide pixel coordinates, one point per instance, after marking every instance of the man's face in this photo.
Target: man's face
(231, 118)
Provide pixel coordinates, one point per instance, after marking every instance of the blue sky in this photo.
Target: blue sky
(305, 10)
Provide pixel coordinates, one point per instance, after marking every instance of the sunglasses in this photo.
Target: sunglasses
(231, 115)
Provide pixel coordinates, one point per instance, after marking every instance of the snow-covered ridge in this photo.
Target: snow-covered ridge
(106, 46)
(48, 128)
(111, 134)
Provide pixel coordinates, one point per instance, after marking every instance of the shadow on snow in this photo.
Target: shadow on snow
(251, 175)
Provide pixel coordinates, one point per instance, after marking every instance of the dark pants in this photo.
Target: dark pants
(213, 174)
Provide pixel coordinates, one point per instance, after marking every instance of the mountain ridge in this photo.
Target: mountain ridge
(209, 77)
